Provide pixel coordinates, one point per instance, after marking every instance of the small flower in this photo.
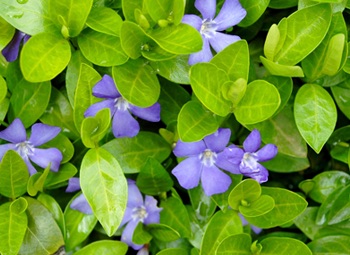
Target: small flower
(123, 124)
(209, 27)
(138, 210)
(205, 157)
(11, 51)
(79, 203)
(247, 159)
(27, 148)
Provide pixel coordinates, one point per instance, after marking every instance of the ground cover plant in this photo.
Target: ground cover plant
(176, 127)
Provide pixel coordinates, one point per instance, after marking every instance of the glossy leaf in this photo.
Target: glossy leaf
(106, 247)
(336, 245)
(315, 115)
(44, 56)
(158, 10)
(341, 95)
(36, 182)
(284, 245)
(3, 89)
(104, 20)
(62, 143)
(163, 232)
(173, 251)
(6, 34)
(279, 163)
(235, 245)
(14, 175)
(101, 171)
(129, 6)
(254, 11)
(261, 206)
(65, 172)
(246, 191)
(282, 70)
(203, 206)
(133, 39)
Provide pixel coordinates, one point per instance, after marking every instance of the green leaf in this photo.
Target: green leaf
(83, 97)
(13, 175)
(65, 172)
(315, 115)
(173, 251)
(288, 205)
(62, 143)
(284, 246)
(163, 232)
(259, 103)
(262, 205)
(101, 49)
(180, 39)
(3, 89)
(158, 10)
(278, 164)
(153, 178)
(6, 33)
(78, 225)
(132, 152)
(282, 70)
(137, 82)
(335, 245)
(31, 17)
(207, 81)
(43, 236)
(281, 4)
(70, 14)
(195, 122)
(44, 56)
(36, 182)
(235, 245)
(4, 106)
(271, 42)
(141, 235)
(246, 191)
(221, 226)
(129, 6)
(105, 247)
(29, 101)
(101, 171)
(254, 11)
(13, 226)
(341, 95)
(104, 20)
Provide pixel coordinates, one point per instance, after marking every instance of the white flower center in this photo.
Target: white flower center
(208, 28)
(25, 149)
(139, 213)
(208, 157)
(121, 104)
(250, 160)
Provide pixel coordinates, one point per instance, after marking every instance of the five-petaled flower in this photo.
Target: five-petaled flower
(138, 210)
(11, 51)
(247, 159)
(27, 148)
(123, 123)
(79, 203)
(209, 27)
(205, 157)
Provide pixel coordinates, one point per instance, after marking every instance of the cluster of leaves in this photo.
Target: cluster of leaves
(288, 77)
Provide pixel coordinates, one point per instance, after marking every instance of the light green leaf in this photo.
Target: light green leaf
(101, 172)
(36, 182)
(261, 206)
(132, 152)
(44, 56)
(104, 20)
(4, 106)
(163, 232)
(65, 172)
(284, 246)
(271, 42)
(173, 251)
(335, 245)
(334, 54)
(315, 115)
(105, 247)
(101, 49)
(3, 89)
(6, 33)
(254, 11)
(246, 191)
(137, 82)
(62, 143)
(13, 175)
(282, 70)
(235, 245)
(259, 103)
(129, 6)
(158, 10)
(341, 95)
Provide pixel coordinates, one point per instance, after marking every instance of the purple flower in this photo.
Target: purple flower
(205, 157)
(247, 159)
(27, 148)
(230, 14)
(11, 51)
(123, 124)
(138, 210)
(79, 203)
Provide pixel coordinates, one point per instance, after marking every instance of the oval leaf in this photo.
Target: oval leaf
(105, 247)
(284, 246)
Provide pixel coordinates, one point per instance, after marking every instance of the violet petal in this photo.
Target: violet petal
(43, 157)
(230, 14)
(96, 107)
(11, 51)
(214, 181)
(151, 113)
(205, 55)
(261, 176)
(124, 125)
(252, 142)
(127, 216)
(152, 210)
(223, 163)
(192, 20)
(15, 132)
(31, 168)
(106, 88)
(234, 154)
(42, 133)
(128, 233)
(5, 147)
(188, 172)
(220, 41)
(73, 184)
(269, 151)
(217, 142)
(206, 7)
(135, 198)
(184, 149)
(81, 204)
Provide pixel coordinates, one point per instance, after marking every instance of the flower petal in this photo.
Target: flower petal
(217, 142)
(188, 172)
(233, 154)
(230, 14)
(128, 233)
(269, 151)
(96, 107)
(143, 251)
(192, 20)
(10, 52)
(106, 88)
(214, 181)
(151, 113)
(152, 210)
(220, 41)
(206, 7)
(184, 149)
(223, 163)
(15, 132)
(81, 204)
(127, 216)
(73, 184)
(31, 168)
(43, 157)
(42, 133)
(252, 142)
(135, 198)
(5, 147)
(260, 176)
(205, 55)
(124, 125)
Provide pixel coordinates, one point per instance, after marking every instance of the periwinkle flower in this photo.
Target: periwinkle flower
(209, 26)
(247, 158)
(138, 210)
(204, 158)
(123, 123)
(28, 149)
(79, 203)
(11, 51)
